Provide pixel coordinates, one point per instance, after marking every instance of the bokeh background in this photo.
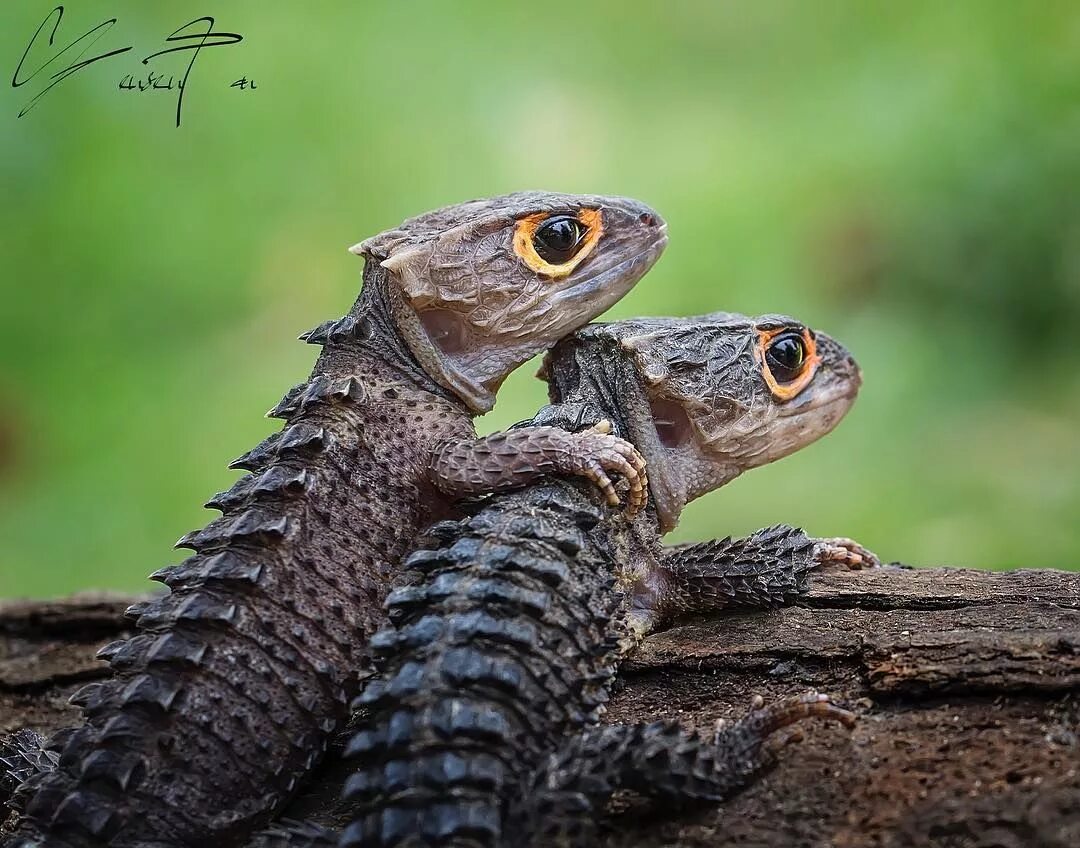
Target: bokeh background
(903, 176)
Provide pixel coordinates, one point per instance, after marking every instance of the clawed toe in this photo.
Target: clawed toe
(846, 553)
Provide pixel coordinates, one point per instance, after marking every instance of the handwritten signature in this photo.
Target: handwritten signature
(187, 40)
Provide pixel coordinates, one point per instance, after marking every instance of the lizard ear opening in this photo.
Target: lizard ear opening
(446, 329)
(672, 424)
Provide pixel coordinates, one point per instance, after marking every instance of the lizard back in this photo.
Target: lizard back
(507, 642)
(237, 678)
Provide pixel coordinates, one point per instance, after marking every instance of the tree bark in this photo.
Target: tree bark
(967, 686)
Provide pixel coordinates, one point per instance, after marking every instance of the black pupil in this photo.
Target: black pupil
(785, 357)
(556, 240)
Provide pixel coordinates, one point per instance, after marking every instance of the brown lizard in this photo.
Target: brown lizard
(236, 680)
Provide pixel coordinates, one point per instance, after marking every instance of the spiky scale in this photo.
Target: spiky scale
(318, 334)
(255, 524)
(283, 480)
(234, 496)
(89, 694)
(176, 647)
(289, 403)
(303, 436)
(126, 654)
(506, 644)
(104, 765)
(81, 809)
(349, 328)
(155, 690)
(134, 611)
(107, 652)
(349, 389)
(228, 566)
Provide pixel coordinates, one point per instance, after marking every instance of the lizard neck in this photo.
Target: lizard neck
(399, 337)
(380, 338)
(599, 374)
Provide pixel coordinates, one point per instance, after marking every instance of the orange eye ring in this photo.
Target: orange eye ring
(788, 389)
(525, 248)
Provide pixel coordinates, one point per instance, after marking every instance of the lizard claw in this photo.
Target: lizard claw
(765, 722)
(845, 552)
(780, 714)
(756, 740)
(597, 453)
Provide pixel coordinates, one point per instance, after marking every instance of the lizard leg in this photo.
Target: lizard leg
(766, 569)
(22, 754)
(516, 458)
(846, 553)
(665, 760)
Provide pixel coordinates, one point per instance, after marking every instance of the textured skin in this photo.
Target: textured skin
(502, 650)
(239, 677)
(509, 643)
(22, 755)
(661, 759)
(515, 458)
(506, 641)
(770, 568)
(726, 420)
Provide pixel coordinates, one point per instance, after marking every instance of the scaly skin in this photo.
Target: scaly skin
(507, 641)
(22, 755)
(238, 678)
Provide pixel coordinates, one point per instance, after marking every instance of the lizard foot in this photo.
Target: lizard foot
(764, 731)
(596, 452)
(847, 553)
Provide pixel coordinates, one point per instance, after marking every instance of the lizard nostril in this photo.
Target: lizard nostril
(647, 218)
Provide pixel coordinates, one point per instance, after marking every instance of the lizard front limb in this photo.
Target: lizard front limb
(516, 458)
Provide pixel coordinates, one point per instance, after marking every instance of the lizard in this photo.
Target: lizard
(508, 636)
(232, 687)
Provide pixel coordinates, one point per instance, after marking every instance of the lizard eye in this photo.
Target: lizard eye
(789, 360)
(785, 357)
(557, 239)
(554, 245)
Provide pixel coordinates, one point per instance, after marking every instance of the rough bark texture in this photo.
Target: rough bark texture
(967, 684)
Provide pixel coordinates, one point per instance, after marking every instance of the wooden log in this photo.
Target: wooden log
(967, 684)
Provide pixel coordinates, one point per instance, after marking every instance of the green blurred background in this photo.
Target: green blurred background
(903, 176)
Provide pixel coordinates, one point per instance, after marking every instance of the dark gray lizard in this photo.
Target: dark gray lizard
(480, 728)
(236, 680)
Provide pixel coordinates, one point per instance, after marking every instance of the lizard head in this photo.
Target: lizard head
(707, 398)
(481, 287)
